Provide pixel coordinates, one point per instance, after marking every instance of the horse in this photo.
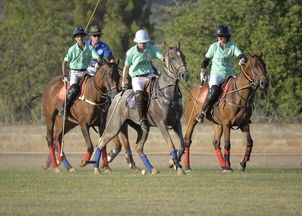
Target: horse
(164, 109)
(232, 111)
(89, 110)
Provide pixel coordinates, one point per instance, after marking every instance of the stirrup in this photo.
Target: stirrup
(200, 117)
(143, 125)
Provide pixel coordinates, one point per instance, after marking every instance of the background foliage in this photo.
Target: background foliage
(35, 36)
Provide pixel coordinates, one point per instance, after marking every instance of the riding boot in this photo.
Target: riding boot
(140, 105)
(71, 96)
(210, 100)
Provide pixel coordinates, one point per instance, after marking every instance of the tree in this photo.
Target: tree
(271, 27)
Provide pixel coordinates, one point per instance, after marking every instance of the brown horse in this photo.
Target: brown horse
(233, 109)
(89, 110)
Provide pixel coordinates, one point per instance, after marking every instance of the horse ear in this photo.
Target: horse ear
(178, 45)
(167, 46)
(117, 61)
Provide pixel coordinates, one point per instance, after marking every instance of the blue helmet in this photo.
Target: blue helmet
(222, 30)
(78, 30)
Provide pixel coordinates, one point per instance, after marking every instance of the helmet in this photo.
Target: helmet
(78, 30)
(141, 36)
(95, 30)
(222, 31)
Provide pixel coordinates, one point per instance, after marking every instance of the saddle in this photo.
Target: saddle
(82, 83)
(150, 91)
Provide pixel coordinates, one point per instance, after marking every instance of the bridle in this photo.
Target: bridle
(168, 67)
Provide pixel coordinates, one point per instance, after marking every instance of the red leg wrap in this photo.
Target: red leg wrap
(52, 157)
(219, 156)
(60, 158)
(187, 156)
(227, 158)
(87, 156)
(247, 155)
(104, 157)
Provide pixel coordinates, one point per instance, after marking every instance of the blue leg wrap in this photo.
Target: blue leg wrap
(146, 163)
(97, 157)
(173, 154)
(65, 162)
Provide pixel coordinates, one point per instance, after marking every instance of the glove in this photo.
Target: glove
(96, 66)
(241, 61)
(65, 79)
(203, 76)
(124, 86)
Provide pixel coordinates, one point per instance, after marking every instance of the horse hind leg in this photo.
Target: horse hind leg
(216, 142)
(227, 149)
(249, 146)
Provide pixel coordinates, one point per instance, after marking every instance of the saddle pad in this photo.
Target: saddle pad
(130, 101)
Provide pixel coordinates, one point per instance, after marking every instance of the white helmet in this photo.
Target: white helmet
(141, 36)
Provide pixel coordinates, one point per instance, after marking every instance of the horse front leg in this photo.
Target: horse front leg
(216, 142)
(173, 153)
(249, 146)
(140, 151)
(188, 140)
(227, 149)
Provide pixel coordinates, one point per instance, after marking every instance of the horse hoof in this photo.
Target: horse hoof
(242, 166)
(154, 171)
(180, 171)
(187, 168)
(97, 171)
(227, 170)
(46, 165)
(107, 169)
(71, 170)
(59, 162)
(56, 169)
(170, 163)
(82, 163)
(135, 169)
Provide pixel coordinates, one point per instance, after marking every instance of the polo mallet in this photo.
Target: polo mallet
(64, 115)
(105, 131)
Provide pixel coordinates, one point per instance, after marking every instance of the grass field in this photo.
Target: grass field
(271, 185)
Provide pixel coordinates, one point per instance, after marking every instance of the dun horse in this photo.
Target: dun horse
(234, 109)
(89, 110)
(164, 109)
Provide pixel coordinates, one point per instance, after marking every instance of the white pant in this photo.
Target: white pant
(217, 80)
(75, 76)
(138, 83)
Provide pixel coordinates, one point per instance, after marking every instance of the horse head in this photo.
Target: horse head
(255, 72)
(175, 63)
(107, 78)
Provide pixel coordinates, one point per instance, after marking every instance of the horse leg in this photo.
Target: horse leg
(188, 140)
(89, 145)
(249, 146)
(140, 151)
(227, 149)
(128, 153)
(216, 142)
(173, 153)
(114, 152)
(50, 142)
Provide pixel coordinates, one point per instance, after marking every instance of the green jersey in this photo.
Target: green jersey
(80, 59)
(222, 58)
(139, 63)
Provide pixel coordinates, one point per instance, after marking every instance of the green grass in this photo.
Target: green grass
(202, 192)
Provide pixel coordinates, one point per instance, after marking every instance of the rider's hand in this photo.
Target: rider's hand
(124, 86)
(203, 76)
(65, 78)
(241, 61)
